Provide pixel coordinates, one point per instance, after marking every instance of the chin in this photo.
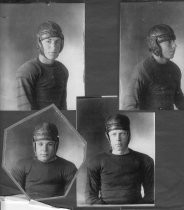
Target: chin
(51, 58)
(172, 55)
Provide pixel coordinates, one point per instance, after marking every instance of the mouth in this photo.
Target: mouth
(118, 145)
(52, 52)
(172, 52)
(44, 155)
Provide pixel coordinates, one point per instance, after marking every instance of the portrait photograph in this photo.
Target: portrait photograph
(42, 55)
(120, 158)
(42, 154)
(151, 55)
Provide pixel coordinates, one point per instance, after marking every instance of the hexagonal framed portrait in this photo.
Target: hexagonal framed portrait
(42, 154)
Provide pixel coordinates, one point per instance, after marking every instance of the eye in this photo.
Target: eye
(51, 143)
(124, 133)
(48, 41)
(58, 42)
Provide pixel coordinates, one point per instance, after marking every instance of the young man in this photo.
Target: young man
(46, 175)
(116, 177)
(155, 84)
(43, 80)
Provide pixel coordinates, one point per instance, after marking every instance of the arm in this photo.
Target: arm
(148, 181)
(25, 88)
(70, 175)
(179, 97)
(63, 103)
(135, 91)
(93, 186)
(19, 174)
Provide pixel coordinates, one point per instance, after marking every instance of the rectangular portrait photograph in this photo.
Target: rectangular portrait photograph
(119, 167)
(42, 55)
(151, 55)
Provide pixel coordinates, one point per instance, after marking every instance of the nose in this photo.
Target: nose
(45, 148)
(53, 45)
(118, 137)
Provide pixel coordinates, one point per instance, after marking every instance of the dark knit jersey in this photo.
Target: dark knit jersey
(44, 180)
(154, 86)
(117, 179)
(39, 85)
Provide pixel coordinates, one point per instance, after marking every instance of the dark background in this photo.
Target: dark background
(136, 18)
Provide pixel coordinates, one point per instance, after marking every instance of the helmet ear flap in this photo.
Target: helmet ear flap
(34, 147)
(39, 46)
(154, 46)
(62, 44)
(157, 51)
(107, 136)
(57, 144)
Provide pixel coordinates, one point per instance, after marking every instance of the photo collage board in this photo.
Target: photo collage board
(91, 104)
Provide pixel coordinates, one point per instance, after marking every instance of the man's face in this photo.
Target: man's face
(45, 150)
(51, 47)
(168, 49)
(119, 140)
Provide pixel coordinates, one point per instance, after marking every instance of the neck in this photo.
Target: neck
(160, 60)
(122, 152)
(45, 60)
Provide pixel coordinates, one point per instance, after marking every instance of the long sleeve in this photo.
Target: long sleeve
(63, 103)
(26, 77)
(135, 91)
(18, 173)
(148, 181)
(25, 94)
(179, 97)
(69, 175)
(93, 186)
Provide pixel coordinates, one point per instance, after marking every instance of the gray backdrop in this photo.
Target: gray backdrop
(136, 18)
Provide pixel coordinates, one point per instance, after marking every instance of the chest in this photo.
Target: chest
(51, 78)
(119, 168)
(39, 173)
(162, 80)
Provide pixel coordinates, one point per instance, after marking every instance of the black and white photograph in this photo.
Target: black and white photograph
(120, 159)
(151, 55)
(92, 104)
(42, 154)
(42, 55)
